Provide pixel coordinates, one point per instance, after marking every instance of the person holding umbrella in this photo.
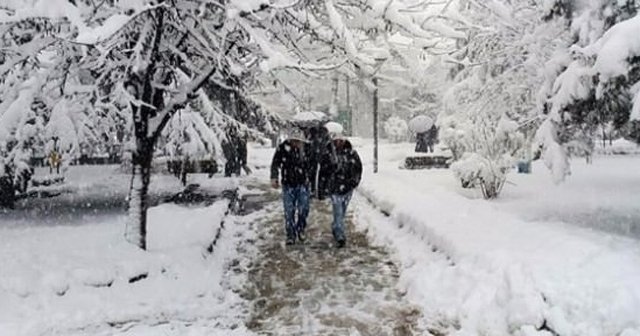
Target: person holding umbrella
(291, 163)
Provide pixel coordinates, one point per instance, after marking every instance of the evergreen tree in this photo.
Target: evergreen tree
(592, 88)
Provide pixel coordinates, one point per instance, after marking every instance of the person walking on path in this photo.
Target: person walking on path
(230, 152)
(345, 167)
(292, 164)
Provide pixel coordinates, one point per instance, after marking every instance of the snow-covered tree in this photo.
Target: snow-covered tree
(35, 70)
(396, 129)
(151, 60)
(490, 109)
(593, 87)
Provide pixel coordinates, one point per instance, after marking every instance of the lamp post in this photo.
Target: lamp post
(375, 124)
(379, 61)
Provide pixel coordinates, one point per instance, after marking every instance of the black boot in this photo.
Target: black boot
(302, 236)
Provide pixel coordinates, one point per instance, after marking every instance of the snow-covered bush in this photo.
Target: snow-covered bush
(490, 149)
(396, 129)
(453, 135)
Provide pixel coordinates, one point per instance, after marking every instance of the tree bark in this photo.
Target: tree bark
(138, 198)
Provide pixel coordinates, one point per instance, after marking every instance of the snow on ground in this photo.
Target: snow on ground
(603, 196)
(540, 260)
(517, 267)
(82, 278)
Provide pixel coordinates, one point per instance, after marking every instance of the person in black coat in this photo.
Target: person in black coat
(291, 163)
(344, 169)
(230, 151)
(319, 142)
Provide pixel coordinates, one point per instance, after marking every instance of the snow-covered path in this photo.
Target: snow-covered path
(316, 289)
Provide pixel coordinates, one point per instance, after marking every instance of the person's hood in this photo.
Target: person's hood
(347, 144)
(297, 134)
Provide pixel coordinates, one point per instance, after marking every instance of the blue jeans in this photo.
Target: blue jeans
(295, 198)
(340, 203)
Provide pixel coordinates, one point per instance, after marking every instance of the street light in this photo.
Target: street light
(379, 61)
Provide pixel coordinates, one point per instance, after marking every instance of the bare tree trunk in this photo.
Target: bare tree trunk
(138, 199)
(183, 171)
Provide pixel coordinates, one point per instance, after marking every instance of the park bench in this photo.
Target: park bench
(427, 162)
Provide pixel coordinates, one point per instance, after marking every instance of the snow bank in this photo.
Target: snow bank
(602, 196)
(174, 226)
(508, 276)
(86, 280)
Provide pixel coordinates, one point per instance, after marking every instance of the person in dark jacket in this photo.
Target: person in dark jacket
(319, 141)
(230, 152)
(345, 167)
(291, 162)
(243, 153)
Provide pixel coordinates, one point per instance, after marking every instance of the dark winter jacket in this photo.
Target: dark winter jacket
(292, 163)
(319, 144)
(342, 168)
(242, 151)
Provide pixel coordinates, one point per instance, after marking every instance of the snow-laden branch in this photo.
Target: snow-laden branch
(279, 59)
(178, 101)
(26, 51)
(343, 32)
(113, 25)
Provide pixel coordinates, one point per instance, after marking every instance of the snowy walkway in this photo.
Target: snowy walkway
(316, 289)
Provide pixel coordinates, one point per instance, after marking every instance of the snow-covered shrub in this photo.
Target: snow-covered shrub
(491, 148)
(396, 129)
(452, 134)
